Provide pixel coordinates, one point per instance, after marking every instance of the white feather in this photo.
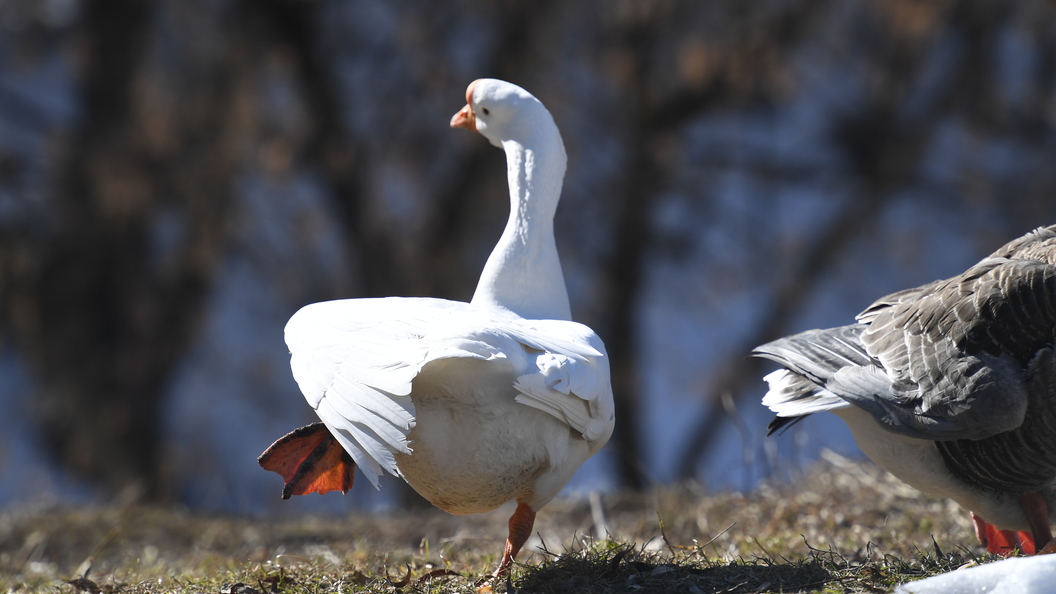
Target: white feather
(783, 401)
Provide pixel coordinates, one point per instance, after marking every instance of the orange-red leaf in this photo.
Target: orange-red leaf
(310, 460)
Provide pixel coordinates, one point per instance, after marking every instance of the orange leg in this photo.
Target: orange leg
(1003, 542)
(521, 523)
(1037, 508)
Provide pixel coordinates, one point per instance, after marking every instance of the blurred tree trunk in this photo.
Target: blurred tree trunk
(106, 300)
(329, 146)
(885, 141)
(623, 272)
(652, 118)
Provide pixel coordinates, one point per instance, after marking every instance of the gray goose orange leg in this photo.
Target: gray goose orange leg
(1003, 542)
(1037, 508)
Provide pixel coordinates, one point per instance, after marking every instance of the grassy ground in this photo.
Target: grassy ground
(844, 527)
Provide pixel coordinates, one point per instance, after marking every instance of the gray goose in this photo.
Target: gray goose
(950, 386)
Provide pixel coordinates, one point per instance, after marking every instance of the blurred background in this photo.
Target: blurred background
(177, 177)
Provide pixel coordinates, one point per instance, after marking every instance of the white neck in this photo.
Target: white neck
(523, 273)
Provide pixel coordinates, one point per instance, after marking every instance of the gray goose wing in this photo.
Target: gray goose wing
(951, 360)
(1021, 460)
(1015, 319)
(960, 352)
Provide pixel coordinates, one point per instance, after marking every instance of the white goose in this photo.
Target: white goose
(950, 386)
(473, 404)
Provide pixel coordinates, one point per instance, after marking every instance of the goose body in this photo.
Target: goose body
(950, 386)
(473, 404)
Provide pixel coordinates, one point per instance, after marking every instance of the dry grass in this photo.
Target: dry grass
(845, 527)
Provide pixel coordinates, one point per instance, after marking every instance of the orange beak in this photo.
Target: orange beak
(465, 118)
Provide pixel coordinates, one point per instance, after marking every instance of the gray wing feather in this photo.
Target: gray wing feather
(1021, 460)
(945, 361)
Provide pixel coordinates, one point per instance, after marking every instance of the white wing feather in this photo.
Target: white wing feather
(355, 361)
(573, 390)
(786, 401)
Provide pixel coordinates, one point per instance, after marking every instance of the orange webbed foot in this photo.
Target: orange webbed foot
(1002, 542)
(310, 460)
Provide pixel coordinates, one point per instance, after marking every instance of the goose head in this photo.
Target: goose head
(502, 112)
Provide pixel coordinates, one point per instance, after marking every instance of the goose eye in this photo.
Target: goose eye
(485, 110)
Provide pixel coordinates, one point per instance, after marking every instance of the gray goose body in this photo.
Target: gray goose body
(950, 386)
